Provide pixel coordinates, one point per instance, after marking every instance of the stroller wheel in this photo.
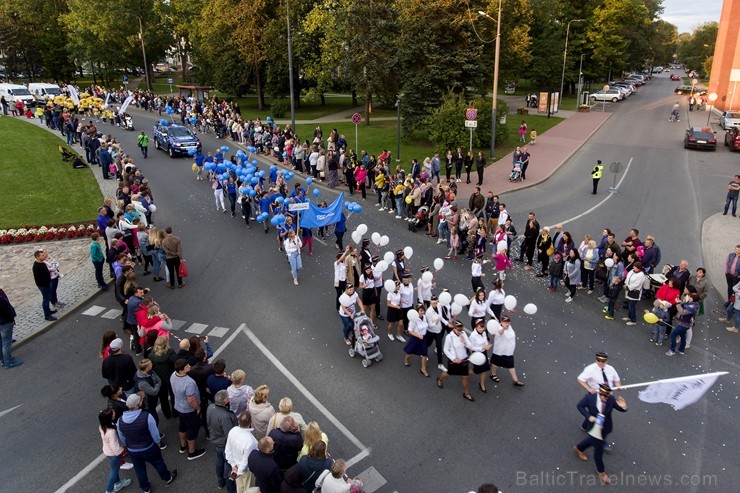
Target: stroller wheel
(366, 363)
(351, 352)
(380, 357)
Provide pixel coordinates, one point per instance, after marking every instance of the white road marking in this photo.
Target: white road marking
(218, 332)
(177, 324)
(364, 451)
(372, 479)
(8, 411)
(316, 238)
(196, 328)
(99, 459)
(600, 203)
(94, 310)
(111, 314)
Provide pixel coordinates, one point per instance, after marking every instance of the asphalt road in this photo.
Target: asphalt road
(390, 418)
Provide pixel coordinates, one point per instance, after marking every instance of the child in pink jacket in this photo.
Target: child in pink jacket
(454, 243)
(502, 263)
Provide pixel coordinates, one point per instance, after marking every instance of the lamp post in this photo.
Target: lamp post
(290, 68)
(565, 57)
(580, 82)
(495, 75)
(398, 129)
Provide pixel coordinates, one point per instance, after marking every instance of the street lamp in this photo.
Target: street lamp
(143, 50)
(495, 75)
(565, 56)
(580, 82)
(290, 68)
(398, 129)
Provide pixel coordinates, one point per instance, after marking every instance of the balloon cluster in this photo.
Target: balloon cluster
(353, 207)
(169, 110)
(379, 240)
(193, 120)
(163, 122)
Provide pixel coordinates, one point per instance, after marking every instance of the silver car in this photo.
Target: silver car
(612, 95)
(729, 119)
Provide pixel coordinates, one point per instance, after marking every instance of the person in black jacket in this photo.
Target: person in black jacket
(597, 411)
(42, 278)
(288, 443)
(119, 368)
(263, 466)
(7, 322)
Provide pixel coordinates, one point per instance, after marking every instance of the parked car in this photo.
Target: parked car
(732, 138)
(177, 140)
(687, 89)
(700, 138)
(631, 88)
(625, 92)
(612, 95)
(729, 119)
(675, 77)
(658, 69)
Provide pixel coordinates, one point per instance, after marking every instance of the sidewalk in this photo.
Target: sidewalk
(719, 235)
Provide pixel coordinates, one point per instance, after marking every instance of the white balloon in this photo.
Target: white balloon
(477, 358)
(412, 315)
(357, 237)
(382, 266)
(362, 228)
(408, 252)
(461, 299)
(390, 285)
(389, 257)
(438, 264)
(427, 277)
(345, 300)
(376, 238)
(445, 298)
(493, 326)
(384, 240)
(609, 263)
(455, 308)
(510, 302)
(530, 308)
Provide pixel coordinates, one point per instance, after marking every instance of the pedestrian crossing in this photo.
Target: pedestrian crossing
(177, 325)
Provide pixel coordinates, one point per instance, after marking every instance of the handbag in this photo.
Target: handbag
(633, 293)
(320, 480)
(550, 251)
(182, 270)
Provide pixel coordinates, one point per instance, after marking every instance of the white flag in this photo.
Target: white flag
(73, 94)
(125, 104)
(107, 96)
(678, 392)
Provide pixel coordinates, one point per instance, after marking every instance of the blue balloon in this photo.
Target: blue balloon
(260, 219)
(251, 149)
(274, 221)
(164, 122)
(281, 218)
(254, 180)
(309, 180)
(287, 176)
(280, 200)
(252, 192)
(254, 162)
(193, 120)
(224, 148)
(273, 167)
(191, 152)
(209, 166)
(316, 192)
(357, 209)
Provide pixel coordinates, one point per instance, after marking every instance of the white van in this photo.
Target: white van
(14, 92)
(42, 90)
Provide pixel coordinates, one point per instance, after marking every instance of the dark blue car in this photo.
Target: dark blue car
(177, 140)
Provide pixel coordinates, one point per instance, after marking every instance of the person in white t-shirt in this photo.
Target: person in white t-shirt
(348, 304)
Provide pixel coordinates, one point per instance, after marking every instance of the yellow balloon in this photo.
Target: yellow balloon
(650, 318)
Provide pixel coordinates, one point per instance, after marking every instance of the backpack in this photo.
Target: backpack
(657, 256)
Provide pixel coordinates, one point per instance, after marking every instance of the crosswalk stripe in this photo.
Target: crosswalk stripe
(218, 332)
(94, 311)
(372, 479)
(177, 324)
(111, 314)
(196, 328)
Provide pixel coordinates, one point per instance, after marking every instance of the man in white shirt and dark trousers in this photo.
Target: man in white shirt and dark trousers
(239, 444)
(598, 373)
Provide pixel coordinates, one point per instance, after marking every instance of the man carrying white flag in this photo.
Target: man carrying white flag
(678, 392)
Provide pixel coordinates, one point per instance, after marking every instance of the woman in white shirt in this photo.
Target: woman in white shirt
(496, 299)
(480, 343)
(394, 313)
(416, 343)
(504, 343)
(456, 349)
(424, 289)
(340, 274)
(292, 246)
(367, 284)
(478, 307)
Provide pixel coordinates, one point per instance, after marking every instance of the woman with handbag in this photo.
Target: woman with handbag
(456, 349)
(504, 343)
(544, 250)
(292, 246)
(633, 287)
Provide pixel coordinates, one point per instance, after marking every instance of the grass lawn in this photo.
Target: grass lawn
(38, 188)
(382, 135)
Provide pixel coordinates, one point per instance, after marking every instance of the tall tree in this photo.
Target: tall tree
(694, 49)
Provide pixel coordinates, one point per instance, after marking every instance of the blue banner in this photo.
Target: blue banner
(315, 217)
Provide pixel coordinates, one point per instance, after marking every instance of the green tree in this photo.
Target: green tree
(436, 53)
(694, 49)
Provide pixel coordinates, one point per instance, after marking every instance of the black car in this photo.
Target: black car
(700, 138)
(688, 89)
(177, 140)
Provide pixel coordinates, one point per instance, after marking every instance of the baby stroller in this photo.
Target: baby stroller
(420, 219)
(516, 172)
(365, 342)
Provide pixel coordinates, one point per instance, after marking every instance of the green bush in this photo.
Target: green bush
(278, 107)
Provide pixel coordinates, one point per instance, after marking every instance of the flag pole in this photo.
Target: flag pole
(673, 380)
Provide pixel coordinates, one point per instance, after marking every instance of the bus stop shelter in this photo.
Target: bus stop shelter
(200, 93)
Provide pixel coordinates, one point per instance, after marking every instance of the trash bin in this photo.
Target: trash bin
(584, 97)
(522, 111)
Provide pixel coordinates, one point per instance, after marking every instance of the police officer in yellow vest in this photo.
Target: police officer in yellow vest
(596, 175)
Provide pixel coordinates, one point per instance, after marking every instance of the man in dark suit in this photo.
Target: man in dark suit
(597, 410)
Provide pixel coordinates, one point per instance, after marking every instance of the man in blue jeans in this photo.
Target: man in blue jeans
(138, 432)
(733, 191)
(42, 278)
(7, 322)
(686, 312)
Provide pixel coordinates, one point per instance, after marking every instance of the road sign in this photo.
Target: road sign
(357, 118)
(471, 124)
(616, 168)
(471, 114)
(169, 80)
(125, 78)
(299, 206)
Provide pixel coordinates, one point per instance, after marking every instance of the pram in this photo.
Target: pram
(516, 172)
(654, 281)
(365, 342)
(420, 219)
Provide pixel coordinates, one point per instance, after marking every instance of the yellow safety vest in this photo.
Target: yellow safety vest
(596, 172)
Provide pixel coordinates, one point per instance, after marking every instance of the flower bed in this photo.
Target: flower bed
(46, 233)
